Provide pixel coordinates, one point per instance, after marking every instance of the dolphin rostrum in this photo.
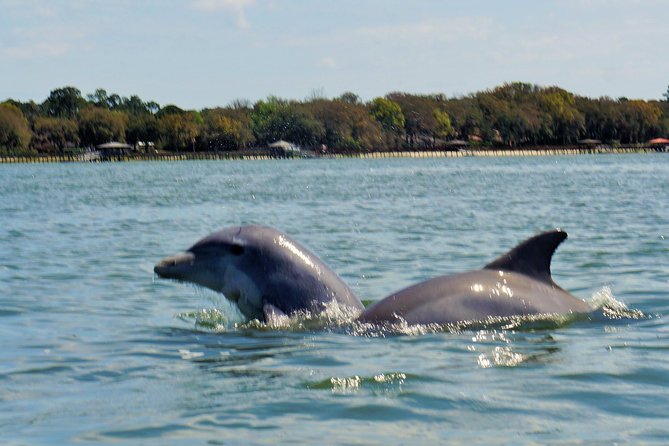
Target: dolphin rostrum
(265, 272)
(517, 283)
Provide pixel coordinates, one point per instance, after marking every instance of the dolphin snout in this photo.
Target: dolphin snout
(171, 267)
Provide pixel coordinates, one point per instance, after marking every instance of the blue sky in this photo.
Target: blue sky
(206, 53)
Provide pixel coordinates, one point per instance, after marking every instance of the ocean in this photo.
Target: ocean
(97, 350)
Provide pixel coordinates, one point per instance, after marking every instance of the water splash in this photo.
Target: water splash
(341, 318)
(334, 317)
(605, 303)
(500, 357)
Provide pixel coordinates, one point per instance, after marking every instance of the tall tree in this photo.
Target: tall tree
(566, 122)
(179, 131)
(143, 127)
(276, 119)
(221, 132)
(467, 118)
(54, 134)
(389, 114)
(64, 102)
(420, 118)
(100, 98)
(350, 98)
(98, 126)
(15, 132)
(348, 125)
(30, 109)
(443, 127)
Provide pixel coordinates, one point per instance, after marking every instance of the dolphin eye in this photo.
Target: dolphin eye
(236, 250)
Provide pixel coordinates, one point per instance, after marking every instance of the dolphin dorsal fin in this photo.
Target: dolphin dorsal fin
(532, 257)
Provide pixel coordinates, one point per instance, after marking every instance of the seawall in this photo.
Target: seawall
(263, 155)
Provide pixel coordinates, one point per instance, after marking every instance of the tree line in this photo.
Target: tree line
(513, 115)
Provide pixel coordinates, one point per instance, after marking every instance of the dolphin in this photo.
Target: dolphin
(264, 271)
(517, 283)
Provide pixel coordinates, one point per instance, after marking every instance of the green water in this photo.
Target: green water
(95, 350)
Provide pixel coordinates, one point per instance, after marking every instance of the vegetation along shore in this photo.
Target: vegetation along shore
(515, 118)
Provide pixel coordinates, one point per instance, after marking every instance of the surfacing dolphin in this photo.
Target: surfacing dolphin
(517, 283)
(265, 272)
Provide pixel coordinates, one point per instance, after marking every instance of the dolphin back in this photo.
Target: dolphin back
(517, 283)
(299, 278)
(532, 257)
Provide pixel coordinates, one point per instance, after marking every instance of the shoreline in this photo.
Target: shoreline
(264, 155)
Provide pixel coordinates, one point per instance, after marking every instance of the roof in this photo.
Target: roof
(114, 145)
(457, 142)
(589, 141)
(659, 141)
(282, 143)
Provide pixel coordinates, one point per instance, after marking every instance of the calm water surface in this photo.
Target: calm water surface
(95, 350)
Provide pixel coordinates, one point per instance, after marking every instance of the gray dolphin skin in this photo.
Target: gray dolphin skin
(517, 283)
(265, 272)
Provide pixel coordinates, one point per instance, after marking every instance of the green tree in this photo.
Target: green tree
(350, 98)
(30, 109)
(15, 132)
(152, 107)
(348, 125)
(64, 102)
(444, 128)
(114, 100)
(389, 114)
(467, 118)
(100, 98)
(641, 121)
(99, 125)
(143, 127)
(566, 122)
(241, 111)
(221, 132)
(169, 110)
(54, 134)
(276, 119)
(134, 106)
(179, 131)
(425, 118)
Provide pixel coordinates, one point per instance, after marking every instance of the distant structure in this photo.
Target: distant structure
(145, 146)
(283, 148)
(113, 149)
(456, 144)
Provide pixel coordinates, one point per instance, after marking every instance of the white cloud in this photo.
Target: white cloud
(234, 6)
(42, 42)
(37, 50)
(420, 34)
(450, 29)
(328, 62)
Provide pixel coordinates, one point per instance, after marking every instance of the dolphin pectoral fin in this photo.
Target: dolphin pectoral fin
(273, 316)
(531, 257)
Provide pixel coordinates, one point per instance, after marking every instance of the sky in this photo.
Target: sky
(206, 53)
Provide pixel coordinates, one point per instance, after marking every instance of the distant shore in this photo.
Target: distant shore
(265, 155)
